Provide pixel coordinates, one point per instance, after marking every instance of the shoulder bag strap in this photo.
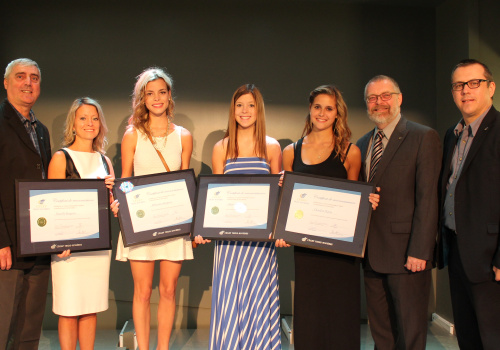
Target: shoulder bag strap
(159, 154)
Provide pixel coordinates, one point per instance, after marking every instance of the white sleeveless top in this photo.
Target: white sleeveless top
(80, 282)
(147, 161)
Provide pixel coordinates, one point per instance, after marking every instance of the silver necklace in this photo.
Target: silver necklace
(156, 144)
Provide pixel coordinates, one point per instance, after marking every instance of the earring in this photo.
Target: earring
(74, 132)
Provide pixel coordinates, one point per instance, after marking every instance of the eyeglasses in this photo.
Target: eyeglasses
(472, 84)
(386, 96)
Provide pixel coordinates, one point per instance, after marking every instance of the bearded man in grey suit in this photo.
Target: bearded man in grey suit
(402, 158)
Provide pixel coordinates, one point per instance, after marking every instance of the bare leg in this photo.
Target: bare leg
(86, 331)
(142, 273)
(169, 274)
(68, 332)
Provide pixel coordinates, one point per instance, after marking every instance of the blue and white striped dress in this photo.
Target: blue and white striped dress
(245, 290)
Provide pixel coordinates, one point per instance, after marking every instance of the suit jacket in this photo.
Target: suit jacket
(406, 220)
(477, 200)
(19, 159)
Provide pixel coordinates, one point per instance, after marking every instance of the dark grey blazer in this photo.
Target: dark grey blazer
(406, 220)
(18, 160)
(477, 200)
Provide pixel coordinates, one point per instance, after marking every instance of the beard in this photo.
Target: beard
(384, 118)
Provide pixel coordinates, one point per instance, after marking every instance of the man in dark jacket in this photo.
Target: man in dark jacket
(470, 208)
(402, 158)
(24, 154)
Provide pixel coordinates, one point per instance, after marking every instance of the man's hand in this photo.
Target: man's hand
(496, 270)
(415, 265)
(5, 258)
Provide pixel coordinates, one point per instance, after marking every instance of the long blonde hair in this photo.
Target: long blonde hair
(100, 140)
(140, 116)
(341, 131)
(260, 123)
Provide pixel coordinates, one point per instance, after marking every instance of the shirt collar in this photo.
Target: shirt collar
(23, 120)
(389, 129)
(473, 127)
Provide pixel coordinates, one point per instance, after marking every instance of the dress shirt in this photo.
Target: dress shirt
(388, 130)
(465, 137)
(30, 126)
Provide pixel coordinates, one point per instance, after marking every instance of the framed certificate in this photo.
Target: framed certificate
(236, 207)
(55, 215)
(324, 213)
(155, 207)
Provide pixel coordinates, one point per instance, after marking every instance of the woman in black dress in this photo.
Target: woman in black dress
(327, 285)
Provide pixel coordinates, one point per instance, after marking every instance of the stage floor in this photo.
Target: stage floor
(197, 339)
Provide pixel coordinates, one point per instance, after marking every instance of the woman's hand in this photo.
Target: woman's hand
(280, 243)
(109, 180)
(64, 254)
(374, 199)
(199, 240)
(282, 173)
(114, 207)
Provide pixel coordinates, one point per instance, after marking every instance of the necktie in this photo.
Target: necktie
(376, 154)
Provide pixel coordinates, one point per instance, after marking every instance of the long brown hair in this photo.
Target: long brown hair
(341, 131)
(260, 123)
(140, 116)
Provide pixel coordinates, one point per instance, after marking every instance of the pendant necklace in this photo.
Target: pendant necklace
(156, 144)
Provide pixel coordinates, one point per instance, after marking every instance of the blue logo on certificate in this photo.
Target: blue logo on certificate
(126, 186)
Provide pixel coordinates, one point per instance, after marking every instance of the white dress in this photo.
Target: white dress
(147, 161)
(80, 282)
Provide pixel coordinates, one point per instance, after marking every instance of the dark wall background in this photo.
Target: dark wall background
(287, 48)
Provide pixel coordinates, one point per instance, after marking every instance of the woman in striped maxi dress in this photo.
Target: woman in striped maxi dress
(245, 292)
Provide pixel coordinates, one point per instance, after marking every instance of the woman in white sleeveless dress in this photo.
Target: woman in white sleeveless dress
(150, 129)
(80, 281)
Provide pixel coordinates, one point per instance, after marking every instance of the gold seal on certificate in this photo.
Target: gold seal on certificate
(41, 222)
(299, 214)
(215, 210)
(140, 214)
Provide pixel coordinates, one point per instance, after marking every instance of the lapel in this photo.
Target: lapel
(41, 142)
(449, 148)
(397, 138)
(482, 133)
(363, 146)
(12, 119)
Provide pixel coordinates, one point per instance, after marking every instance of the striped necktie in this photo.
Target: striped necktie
(376, 154)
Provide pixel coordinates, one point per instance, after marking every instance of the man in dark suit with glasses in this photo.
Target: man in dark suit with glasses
(402, 158)
(470, 208)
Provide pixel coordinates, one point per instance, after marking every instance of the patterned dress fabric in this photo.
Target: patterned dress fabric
(147, 161)
(245, 290)
(80, 282)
